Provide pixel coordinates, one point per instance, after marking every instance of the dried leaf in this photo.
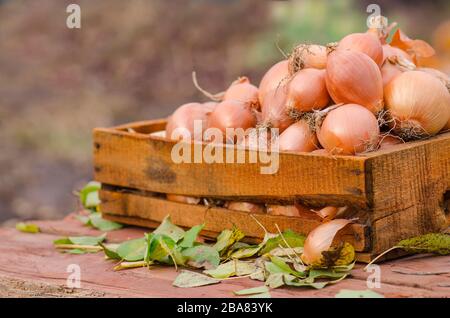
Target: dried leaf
(282, 251)
(347, 293)
(188, 279)
(416, 48)
(232, 268)
(251, 291)
(202, 256)
(169, 229)
(27, 227)
(320, 239)
(227, 238)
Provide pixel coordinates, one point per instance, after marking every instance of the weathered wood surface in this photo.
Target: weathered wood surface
(31, 267)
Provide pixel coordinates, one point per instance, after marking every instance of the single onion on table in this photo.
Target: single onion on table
(418, 103)
(348, 130)
(353, 77)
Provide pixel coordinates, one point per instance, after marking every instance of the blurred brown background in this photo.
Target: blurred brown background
(132, 60)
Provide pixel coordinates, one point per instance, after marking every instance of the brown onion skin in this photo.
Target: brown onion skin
(366, 43)
(243, 91)
(275, 111)
(307, 90)
(232, 114)
(348, 130)
(353, 77)
(276, 76)
(444, 78)
(182, 199)
(184, 117)
(285, 210)
(298, 137)
(390, 51)
(417, 99)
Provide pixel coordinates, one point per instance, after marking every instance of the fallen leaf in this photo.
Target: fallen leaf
(232, 268)
(202, 256)
(190, 236)
(227, 238)
(293, 239)
(91, 187)
(188, 279)
(275, 280)
(251, 291)
(262, 295)
(169, 229)
(132, 250)
(27, 227)
(86, 240)
(110, 250)
(97, 221)
(347, 293)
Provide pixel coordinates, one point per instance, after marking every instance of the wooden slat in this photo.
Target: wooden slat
(407, 190)
(144, 162)
(216, 219)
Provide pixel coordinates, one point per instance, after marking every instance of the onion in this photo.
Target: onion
(418, 103)
(245, 206)
(444, 78)
(330, 212)
(348, 130)
(274, 110)
(184, 117)
(273, 79)
(307, 56)
(307, 91)
(388, 72)
(320, 239)
(387, 142)
(182, 199)
(243, 91)
(390, 51)
(353, 77)
(298, 137)
(232, 114)
(365, 43)
(285, 210)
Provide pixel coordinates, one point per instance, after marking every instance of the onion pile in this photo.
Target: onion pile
(298, 138)
(365, 43)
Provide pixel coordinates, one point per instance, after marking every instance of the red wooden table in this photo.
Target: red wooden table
(30, 266)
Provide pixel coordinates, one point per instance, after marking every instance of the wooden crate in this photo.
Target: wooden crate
(400, 192)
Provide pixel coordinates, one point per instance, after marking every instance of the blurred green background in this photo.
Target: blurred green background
(132, 60)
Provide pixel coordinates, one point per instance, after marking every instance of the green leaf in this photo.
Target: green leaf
(91, 187)
(190, 236)
(84, 240)
(62, 240)
(132, 250)
(110, 250)
(188, 279)
(347, 293)
(83, 219)
(232, 268)
(292, 238)
(169, 229)
(92, 200)
(97, 221)
(227, 238)
(27, 227)
(251, 291)
(202, 256)
(280, 263)
(324, 273)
